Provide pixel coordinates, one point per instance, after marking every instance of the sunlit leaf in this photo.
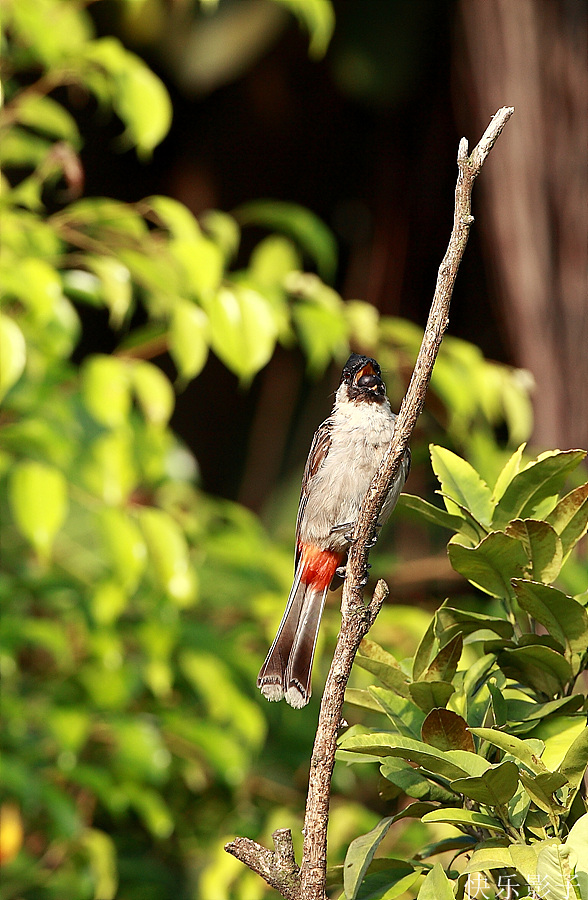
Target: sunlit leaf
(467, 817)
(318, 17)
(359, 855)
(508, 472)
(563, 617)
(311, 234)
(537, 666)
(139, 98)
(542, 545)
(38, 499)
(13, 354)
(494, 788)
(106, 389)
(524, 751)
(383, 665)
(49, 117)
(188, 338)
(460, 482)
(538, 481)
(436, 885)
(272, 259)
(153, 391)
(168, 552)
(115, 283)
(570, 518)
(386, 744)
(243, 329)
(492, 564)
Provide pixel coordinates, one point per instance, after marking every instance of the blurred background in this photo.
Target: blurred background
(136, 742)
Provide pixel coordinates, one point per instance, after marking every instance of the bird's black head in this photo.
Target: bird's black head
(363, 378)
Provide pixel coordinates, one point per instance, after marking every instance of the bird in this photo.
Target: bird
(344, 456)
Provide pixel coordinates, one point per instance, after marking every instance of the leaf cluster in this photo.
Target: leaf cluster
(486, 725)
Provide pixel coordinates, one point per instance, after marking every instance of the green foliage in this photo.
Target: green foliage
(131, 602)
(486, 729)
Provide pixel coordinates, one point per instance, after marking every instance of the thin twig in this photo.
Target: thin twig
(356, 617)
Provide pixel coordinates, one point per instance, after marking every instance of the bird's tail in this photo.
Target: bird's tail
(287, 669)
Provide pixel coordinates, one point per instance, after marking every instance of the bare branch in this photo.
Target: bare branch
(356, 618)
(278, 868)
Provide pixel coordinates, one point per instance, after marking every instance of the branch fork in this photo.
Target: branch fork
(278, 867)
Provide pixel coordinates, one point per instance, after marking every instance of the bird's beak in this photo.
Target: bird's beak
(367, 377)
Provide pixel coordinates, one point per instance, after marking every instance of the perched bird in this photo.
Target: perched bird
(345, 454)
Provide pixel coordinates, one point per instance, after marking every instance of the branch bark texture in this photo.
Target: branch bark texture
(356, 617)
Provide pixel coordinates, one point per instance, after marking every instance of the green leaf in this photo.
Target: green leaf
(202, 264)
(444, 666)
(13, 354)
(542, 545)
(386, 879)
(322, 331)
(446, 730)
(101, 851)
(124, 547)
(115, 283)
(541, 479)
(524, 711)
(224, 231)
(387, 744)
(318, 17)
(463, 817)
(310, 233)
(38, 500)
(188, 338)
(273, 259)
(570, 518)
(486, 858)
(243, 329)
(436, 885)
(175, 217)
(564, 618)
(492, 564)
(460, 482)
(359, 856)
(494, 788)
(524, 751)
(574, 763)
(404, 715)
(153, 391)
(106, 389)
(430, 513)
(555, 865)
(108, 468)
(413, 783)
(451, 621)
(430, 695)
(139, 97)
(383, 665)
(540, 789)
(49, 117)
(168, 553)
(508, 472)
(577, 842)
(424, 651)
(537, 666)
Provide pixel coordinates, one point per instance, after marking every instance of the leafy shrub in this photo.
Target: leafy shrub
(498, 747)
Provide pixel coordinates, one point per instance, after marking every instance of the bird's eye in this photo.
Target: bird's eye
(367, 381)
